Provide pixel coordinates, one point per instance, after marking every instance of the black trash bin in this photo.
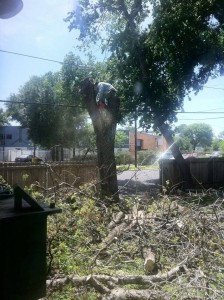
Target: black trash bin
(23, 235)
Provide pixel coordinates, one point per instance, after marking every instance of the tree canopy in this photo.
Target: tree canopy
(3, 117)
(160, 50)
(45, 107)
(191, 136)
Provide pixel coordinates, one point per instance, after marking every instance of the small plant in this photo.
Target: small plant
(25, 177)
(124, 158)
(146, 157)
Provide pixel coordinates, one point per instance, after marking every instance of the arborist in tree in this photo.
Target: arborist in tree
(104, 92)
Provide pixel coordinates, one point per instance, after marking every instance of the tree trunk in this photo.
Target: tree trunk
(56, 153)
(104, 123)
(181, 162)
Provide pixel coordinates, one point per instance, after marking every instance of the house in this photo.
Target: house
(147, 141)
(144, 141)
(13, 140)
(14, 136)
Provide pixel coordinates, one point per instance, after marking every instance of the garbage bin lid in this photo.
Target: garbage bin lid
(22, 204)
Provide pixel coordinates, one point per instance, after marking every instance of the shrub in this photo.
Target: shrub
(147, 157)
(124, 158)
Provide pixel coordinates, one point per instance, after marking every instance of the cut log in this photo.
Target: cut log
(150, 260)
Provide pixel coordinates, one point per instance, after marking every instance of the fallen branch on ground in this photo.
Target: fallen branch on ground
(109, 285)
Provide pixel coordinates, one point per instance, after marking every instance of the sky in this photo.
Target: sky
(39, 30)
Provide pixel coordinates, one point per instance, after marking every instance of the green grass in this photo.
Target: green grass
(132, 167)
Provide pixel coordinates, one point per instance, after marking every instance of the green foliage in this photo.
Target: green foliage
(156, 60)
(194, 135)
(121, 139)
(124, 158)
(85, 139)
(51, 104)
(87, 238)
(221, 135)
(74, 234)
(216, 143)
(42, 116)
(5, 184)
(183, 143)
(147, 157)
(69, 293)
(222, 146)
(4, 118)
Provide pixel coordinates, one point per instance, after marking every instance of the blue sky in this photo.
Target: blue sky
(39, 30)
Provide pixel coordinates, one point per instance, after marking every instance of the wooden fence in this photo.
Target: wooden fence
(48, 175)
(206, 172)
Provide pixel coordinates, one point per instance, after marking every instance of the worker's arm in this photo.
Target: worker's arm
(100, 94)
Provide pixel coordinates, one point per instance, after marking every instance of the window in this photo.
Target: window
(139, 144)
(5, 136)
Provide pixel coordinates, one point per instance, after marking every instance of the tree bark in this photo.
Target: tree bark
(104, 123)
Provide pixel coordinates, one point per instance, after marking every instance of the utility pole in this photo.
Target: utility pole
(136, 159)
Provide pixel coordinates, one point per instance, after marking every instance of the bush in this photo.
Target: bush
(124, 158)
(147, 157)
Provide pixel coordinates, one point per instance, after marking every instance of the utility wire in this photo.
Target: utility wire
(31, 56)
(213, 87)
(79, 106)
(43, 103)
(60, 62)
(199, 112)
(38, 57)
(200, 119)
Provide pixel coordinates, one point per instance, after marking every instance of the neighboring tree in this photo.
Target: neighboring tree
(180, 129)
(121, 138)
(222, 147)
(221, 135)
(42, 108)
(156, 66)
(184, 143)
(216, 143)
(198, 134)
(85, 140)
(3, 118)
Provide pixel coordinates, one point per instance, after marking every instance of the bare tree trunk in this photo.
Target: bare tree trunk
(181, 162)
(104, 124)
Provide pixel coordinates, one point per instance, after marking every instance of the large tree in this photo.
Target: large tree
(157, 64)
(198, 134)
(45, 110)
(77, 83)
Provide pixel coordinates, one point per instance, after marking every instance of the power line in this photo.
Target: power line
(199, 112)
(213, 87)
(43, 103)
(200, 119)
(79, 106)
(31, 56)
(41, 58)
(60, 62)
